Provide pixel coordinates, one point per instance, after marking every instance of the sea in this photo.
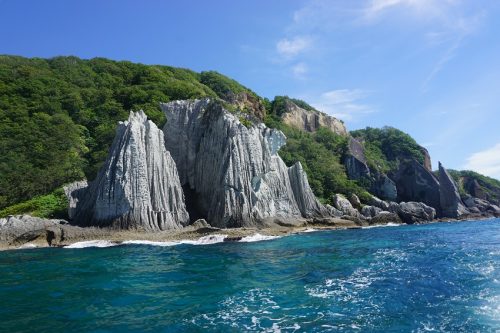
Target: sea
(440, 277)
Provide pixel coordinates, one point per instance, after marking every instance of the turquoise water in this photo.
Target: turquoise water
(438, 277)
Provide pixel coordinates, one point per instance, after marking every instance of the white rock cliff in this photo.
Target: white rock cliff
(138, 187)
(234, 171)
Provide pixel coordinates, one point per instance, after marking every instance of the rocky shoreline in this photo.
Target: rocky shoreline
(24, 231)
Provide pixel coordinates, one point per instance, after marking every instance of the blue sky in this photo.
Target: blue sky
(428, 67)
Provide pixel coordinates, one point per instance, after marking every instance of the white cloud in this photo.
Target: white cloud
(486, 162)
(289, 48)
(423, 8)
(299, 70)
(345, 104)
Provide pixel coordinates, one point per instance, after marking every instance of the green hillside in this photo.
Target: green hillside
(58, 118)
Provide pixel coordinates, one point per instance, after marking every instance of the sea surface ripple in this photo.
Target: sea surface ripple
(442, 277)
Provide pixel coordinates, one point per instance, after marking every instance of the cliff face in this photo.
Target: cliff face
(451, 204)
(415, 183)
(138, 186)
(310, 121)
(234, 172)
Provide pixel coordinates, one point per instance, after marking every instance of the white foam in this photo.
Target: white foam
(310, 230)
(27, 246)
(92, 243)
(205, 240)
(152, 243)
(390, 224)
(257, 238)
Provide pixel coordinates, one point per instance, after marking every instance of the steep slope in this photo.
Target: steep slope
(234, 171)
(138, 187)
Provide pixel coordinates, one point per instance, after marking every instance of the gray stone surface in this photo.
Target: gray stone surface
(18, 230)
(345, 206)
(383, 205)
(451, 203)
(138, 186)
(355, 160)
(415, 212)
(385, 217)
(74, 192)
(234, 172)
(415, 183)
(370, 211)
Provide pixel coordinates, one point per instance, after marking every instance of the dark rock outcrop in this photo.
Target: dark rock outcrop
(234, 172)
(414, 212)
(355, 161)
(415, 183)
(451, 203)
(370, 211)
(385, 218)
(138, 187)
(19, 230)
(384, 187)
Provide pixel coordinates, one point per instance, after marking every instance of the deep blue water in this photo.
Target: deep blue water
(437, 277)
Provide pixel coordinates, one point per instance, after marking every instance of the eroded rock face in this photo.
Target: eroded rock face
(138, 187)
(234, 172)
(451, 203)
(415, 183)
(310, 121)
(355, 160)
(74, 192)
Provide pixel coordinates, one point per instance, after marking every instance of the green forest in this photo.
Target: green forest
(58, 118)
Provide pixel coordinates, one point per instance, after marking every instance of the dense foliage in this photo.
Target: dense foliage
(53, 205)
(384, 147)
(279, 105)
(320, 154)
(58, 116)
(470, 182)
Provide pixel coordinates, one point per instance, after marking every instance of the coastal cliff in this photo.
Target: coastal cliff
(138, 187)
(234, 171)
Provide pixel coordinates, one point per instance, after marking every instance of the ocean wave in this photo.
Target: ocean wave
(92, 243)
(152, 243)
(390, 224)
(27, 246)
(257, 238)
(205, 240)
(309, 230)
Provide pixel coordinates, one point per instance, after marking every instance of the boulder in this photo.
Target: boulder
(385, 218)
(234, 172)
(344, 205)
(354, 200)
(383, 205)
(450, 201)
(138, 186)
(370, 211)
(17, 230)
(415, 212)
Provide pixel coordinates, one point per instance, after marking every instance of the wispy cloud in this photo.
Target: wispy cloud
(289, 48)
(345, 104)
(427, 8)
(299, 70)
(486, 162)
